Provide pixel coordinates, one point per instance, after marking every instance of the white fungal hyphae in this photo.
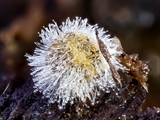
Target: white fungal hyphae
(68, 64)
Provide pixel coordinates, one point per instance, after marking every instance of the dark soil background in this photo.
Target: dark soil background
(136, 23)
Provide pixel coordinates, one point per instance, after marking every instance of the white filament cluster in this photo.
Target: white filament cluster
(68, 64)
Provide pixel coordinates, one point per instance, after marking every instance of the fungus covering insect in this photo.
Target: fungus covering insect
(74, 61)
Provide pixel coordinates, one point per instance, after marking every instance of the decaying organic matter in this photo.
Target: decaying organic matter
(122, 103)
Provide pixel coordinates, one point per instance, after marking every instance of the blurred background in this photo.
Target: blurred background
(135, 22)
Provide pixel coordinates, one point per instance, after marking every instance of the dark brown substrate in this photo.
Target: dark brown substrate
(125, 103)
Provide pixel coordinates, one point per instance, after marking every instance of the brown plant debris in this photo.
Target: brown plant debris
(137, 68)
